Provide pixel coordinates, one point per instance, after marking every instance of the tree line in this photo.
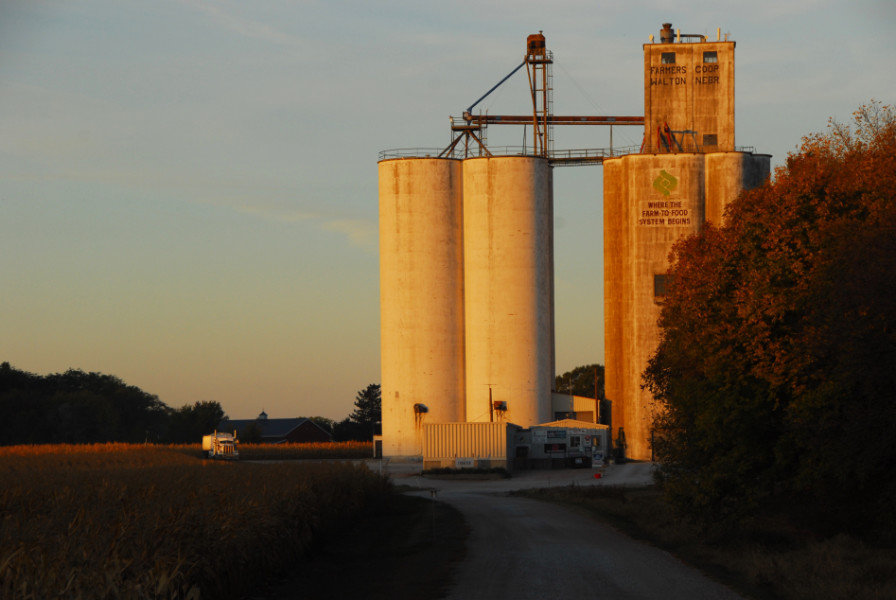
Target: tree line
(586, 381)
(776, 372)
(78, 407)
(363, 423)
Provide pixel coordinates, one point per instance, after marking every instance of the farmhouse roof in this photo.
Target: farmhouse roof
(267, 427)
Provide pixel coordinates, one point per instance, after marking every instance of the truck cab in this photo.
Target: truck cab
(221, 445)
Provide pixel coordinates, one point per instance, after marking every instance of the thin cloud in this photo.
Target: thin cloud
(276, 213)
(363, 234)
(243, 26)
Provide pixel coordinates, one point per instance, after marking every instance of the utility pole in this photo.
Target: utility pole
(491, 405)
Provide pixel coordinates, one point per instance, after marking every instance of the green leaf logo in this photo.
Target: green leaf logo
(665, 183)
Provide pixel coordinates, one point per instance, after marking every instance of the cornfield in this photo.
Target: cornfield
(330, 450)
(125, 521)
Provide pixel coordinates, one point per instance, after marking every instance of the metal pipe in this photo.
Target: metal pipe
(555, 120)
(470, 109)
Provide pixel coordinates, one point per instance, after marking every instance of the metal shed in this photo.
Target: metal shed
(468, 445)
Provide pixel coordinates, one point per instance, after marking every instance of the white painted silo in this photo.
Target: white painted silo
(509, 286)
(421, 298)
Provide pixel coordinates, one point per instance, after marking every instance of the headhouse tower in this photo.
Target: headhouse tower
(687, 171)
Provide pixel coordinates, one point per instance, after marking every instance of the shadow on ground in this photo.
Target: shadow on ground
(405, 550)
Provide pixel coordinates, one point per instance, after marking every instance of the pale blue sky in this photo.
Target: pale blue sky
(188, 189)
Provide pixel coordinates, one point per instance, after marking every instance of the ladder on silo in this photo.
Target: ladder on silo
(542, 90)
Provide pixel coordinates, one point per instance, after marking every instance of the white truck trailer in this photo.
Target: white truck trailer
(221, 445)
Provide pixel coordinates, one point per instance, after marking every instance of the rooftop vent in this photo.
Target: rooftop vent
(667, 36)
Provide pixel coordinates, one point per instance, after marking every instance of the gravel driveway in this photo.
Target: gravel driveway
(523, 549)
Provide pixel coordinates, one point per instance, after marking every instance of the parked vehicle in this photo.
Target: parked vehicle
(221, 445)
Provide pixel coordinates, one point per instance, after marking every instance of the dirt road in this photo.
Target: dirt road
(523, 549)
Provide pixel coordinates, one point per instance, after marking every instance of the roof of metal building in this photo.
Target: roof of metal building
(572, 424)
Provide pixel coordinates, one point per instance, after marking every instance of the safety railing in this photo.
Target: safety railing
(574, 156)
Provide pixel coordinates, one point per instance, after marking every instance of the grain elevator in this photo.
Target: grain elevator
(466, 251)
(687, 171)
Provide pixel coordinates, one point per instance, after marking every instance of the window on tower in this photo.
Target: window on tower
(660, 280)
(668, 58)
(710, 57)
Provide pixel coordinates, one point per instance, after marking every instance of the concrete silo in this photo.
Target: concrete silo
(509, 287)
(688, 171)
(421, 298)
(640, 226)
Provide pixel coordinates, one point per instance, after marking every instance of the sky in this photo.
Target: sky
(188, 189)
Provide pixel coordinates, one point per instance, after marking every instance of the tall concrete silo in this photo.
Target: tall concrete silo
(509, 287)
(650, 201)
(688, 171)
(421, 298)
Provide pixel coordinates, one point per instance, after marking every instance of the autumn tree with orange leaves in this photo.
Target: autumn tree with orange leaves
(776, 368)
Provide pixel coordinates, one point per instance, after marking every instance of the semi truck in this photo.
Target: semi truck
(221, 445)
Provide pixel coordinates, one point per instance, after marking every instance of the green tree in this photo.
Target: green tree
(364, 422)
(75, 407)
(368, 407)
(586, 381)
(777, 362)
(324, 422)
(108, 409)
(189, 423)
(347, 430)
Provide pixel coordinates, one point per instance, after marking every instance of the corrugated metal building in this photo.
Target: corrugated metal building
(469, 445)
